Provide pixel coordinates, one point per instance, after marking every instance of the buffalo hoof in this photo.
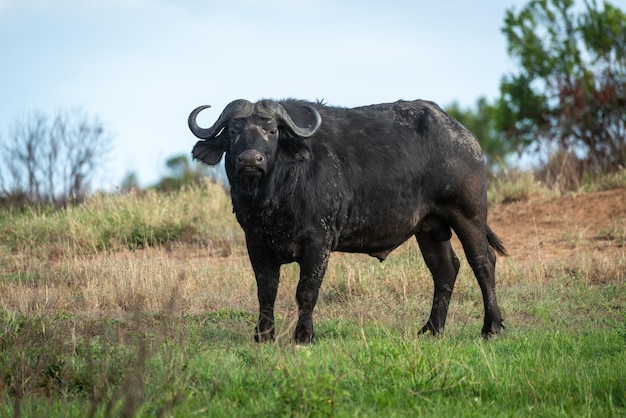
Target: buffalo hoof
(430, 329)
(493, 331)
(265, 336)
(304, 335)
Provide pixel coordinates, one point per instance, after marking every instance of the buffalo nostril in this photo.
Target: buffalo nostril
(251, 158)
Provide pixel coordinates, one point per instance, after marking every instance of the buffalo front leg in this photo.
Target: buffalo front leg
(267, 288)
(444, 267)
(267, 273)
(312, 269)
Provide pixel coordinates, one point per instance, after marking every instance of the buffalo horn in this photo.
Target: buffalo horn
(238, 108)
(280, 113)
(243, 108)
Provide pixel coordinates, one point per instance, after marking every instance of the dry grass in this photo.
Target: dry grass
(114, 252)
(62, 261)
(557, 180)
(396, 293)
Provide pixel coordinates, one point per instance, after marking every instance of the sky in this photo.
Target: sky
(141, 66)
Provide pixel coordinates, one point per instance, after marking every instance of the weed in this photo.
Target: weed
(606, 181)
(616, 231)
(515, 186)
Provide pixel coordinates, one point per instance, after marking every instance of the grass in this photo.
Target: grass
(199, 215)
(145, 304)
(514, 185)
(205, 366)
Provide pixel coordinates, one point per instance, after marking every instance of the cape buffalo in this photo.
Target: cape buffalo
(307, 179)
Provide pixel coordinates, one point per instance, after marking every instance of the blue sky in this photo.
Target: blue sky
(141, 66)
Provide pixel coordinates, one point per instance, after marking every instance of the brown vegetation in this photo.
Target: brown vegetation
(577, 234)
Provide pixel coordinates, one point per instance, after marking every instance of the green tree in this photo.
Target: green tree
(183, 172)
(570, 92)
(130, 182)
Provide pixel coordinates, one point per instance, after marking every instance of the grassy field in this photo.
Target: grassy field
(145, 304)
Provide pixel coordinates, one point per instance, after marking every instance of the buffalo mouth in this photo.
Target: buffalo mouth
(251, 172)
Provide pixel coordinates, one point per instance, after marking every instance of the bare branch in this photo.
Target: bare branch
(52, 160)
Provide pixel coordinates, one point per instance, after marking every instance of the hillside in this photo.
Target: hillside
(563, 228)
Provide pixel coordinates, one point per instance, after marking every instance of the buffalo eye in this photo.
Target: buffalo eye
(234, 130)
(270, 128)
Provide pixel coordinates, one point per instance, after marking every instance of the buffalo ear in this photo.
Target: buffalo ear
(293, 149)
(209, 152)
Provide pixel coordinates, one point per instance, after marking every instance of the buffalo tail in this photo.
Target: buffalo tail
(495, 242)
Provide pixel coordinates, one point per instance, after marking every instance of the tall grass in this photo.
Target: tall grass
(515, 185)
(144, 305)
(136, 220)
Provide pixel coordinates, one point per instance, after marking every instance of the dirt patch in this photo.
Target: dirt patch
(563, 228)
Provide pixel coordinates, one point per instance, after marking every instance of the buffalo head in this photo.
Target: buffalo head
(253, 135)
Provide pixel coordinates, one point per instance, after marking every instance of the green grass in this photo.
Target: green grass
(133, 221)
(208, 366)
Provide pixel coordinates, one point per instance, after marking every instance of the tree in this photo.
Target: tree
(52, 160)
(183, 172)
(130, 182)
(570, 92)
(481, 123)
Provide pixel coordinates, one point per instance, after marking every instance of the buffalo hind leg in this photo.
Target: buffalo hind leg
(482, 259)
(444, 266)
